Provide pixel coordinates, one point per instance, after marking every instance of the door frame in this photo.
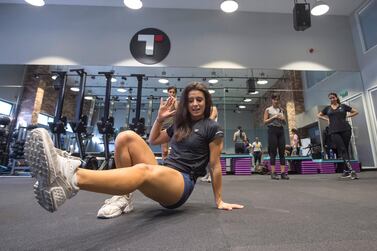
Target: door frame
(369, 126)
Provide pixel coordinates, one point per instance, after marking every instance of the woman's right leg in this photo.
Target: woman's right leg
(128, 145)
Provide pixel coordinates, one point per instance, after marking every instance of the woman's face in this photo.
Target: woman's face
(333, 99)
(172, 93)
(196, 104)
(275, 102)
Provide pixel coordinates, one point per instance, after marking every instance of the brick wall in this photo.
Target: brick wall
(39, 96)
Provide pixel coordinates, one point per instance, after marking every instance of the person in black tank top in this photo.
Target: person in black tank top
(340, 130)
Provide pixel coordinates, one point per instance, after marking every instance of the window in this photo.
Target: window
(314, 77)
(5, 108)
(367, 20)
(43, 119)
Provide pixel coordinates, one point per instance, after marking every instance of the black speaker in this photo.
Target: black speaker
(250, 85)
(301, 16)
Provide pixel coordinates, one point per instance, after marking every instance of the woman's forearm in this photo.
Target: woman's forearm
(217, 183)
(155, 132)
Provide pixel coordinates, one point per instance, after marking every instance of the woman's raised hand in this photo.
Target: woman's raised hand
(166, 109)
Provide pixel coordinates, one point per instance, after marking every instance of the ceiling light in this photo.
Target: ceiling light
(247, 100)
(319, 8)
(213, 81)
(242, 106)
(163, 81)
(121, 90)
(89, 97)
(256, 92)
(75, 89)
(165, 91)
(54, 76)
(113, 80)
(36, 2)
(211, 91)
(133, 4)
(262, 81)
(229, 6)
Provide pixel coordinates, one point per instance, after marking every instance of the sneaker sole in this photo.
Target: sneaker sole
(40, 161)
(44, 198)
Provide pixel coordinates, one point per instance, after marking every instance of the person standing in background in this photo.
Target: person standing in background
(256, 147)
(340, 130)
(295, 142)
(274, 118)
(239, 138)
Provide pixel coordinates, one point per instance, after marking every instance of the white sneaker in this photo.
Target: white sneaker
(53, 172)
(115, 206)
(66, 154)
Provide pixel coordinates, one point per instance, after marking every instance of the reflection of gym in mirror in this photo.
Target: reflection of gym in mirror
(86, 107)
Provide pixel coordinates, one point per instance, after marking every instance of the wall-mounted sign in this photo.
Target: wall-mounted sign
(150, 46)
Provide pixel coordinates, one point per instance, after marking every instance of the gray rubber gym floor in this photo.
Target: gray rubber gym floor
(314, 212)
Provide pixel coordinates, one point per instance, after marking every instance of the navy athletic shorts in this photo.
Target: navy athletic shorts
(189, 186)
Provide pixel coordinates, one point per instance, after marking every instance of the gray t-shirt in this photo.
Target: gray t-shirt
(191, 155)
(272, 112)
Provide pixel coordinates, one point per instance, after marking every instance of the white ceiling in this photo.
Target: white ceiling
(337, 7)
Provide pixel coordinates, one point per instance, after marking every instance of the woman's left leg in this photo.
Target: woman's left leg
(159, 183)
(60, 178)
(281, 148)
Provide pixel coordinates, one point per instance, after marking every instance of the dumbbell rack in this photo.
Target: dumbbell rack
(17, 160)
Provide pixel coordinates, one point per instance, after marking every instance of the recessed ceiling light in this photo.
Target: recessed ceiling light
(54, 76)
(247, 100)
(75, 89)
(242, 106)
(133, 4)
(319, 8)
(121, 90)
(163, 81)
(256, 92)
(165, 91)
(229, 6)
(213, 81)
(211, 91)
(89, 97)
(36, 2)
(113, 80)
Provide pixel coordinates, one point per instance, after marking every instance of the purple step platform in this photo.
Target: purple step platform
(355, 166)
(309, 167)
(242, 166)
(223, 166)
(326, 167)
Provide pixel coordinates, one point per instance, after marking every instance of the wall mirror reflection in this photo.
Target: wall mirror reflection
(129, 98)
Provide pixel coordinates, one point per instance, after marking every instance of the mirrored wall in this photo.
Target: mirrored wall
(240, 95)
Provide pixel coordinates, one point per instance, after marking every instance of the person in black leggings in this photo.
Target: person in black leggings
(340, 130)
(274, 119)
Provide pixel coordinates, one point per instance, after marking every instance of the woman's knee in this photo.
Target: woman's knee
(146, 169)
(125, 137)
